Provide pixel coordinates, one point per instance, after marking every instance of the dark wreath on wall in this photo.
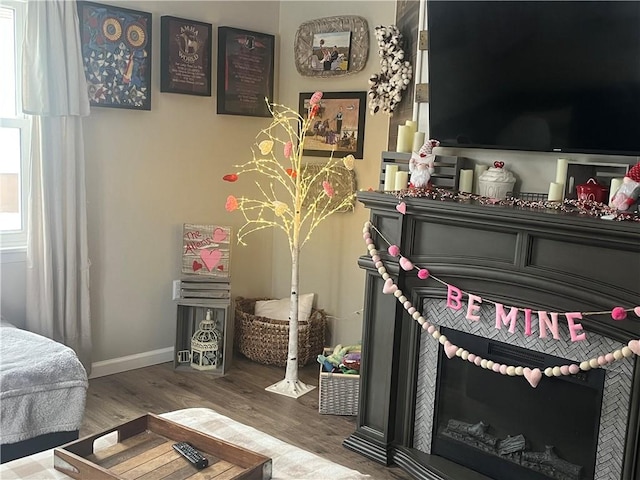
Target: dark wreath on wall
(116, 52)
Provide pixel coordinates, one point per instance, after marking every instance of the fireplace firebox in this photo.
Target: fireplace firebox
(546, 259)
(505, 429)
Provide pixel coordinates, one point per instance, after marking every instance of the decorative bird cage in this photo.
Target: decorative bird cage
(205, 345)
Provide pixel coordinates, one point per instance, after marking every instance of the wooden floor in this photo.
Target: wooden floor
(239, 395)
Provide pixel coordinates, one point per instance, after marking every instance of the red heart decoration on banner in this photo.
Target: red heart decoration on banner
(498, 164)
(533, 376)
(196, 265)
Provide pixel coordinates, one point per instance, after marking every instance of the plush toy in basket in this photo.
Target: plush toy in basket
(339, 382)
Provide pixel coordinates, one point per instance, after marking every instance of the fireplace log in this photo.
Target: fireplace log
(550, 458)
(512, 445)
(476, 431)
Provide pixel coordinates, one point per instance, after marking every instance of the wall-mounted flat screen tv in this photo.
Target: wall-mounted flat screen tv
(559, 76)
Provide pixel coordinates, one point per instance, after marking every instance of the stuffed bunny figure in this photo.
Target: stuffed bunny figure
(421, 165)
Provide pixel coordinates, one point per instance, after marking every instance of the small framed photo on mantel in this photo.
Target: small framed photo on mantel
(185, 56)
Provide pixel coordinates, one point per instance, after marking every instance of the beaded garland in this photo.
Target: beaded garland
(580, 207)
(533, 376)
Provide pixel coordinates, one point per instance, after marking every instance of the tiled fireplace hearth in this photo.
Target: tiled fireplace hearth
(413, 415)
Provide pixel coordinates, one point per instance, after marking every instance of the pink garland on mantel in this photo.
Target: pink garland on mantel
(533, 376)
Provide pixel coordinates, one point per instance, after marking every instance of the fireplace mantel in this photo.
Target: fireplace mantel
(545, 259)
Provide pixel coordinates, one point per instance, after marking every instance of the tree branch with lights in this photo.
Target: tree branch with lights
(288, 199)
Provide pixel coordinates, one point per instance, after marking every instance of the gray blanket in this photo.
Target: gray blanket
(43, 386)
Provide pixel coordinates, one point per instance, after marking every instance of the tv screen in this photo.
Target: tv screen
(560, 76)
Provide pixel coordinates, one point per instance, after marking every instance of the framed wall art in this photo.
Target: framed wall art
(185, 56)
(345, 36)
(116, 52)
(245, 72)
(338, 128)
(206, 250)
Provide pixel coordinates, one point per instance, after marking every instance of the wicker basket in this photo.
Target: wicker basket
(265, 340)
(339, 393)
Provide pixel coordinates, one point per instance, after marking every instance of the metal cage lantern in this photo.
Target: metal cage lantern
(205, 345)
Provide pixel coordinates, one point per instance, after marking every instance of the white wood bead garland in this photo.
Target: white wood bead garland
(533, 376)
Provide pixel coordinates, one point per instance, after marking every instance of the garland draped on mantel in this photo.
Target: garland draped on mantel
(454, 296)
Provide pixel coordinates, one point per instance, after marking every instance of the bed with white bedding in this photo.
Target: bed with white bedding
(43, 389)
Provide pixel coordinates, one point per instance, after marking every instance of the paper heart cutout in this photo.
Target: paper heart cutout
(634, 345)
(406, 264)
(219, 235)
(533, 376)
(210, 258)
(402, 208)
(450, 349)
(196, 265)
(389, 286)
(220, 267)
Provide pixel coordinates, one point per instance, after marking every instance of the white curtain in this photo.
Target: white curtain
(55, 95)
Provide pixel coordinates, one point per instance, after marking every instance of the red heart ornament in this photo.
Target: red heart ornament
(196, 265)
(231, 177)
(498, 164)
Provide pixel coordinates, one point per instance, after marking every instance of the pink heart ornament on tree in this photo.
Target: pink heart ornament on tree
(533, 376)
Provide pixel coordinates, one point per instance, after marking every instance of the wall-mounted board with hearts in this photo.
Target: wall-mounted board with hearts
(206, 250)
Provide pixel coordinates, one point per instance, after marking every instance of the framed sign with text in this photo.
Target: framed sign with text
(206, 250)
(245, 72)
(185, 56)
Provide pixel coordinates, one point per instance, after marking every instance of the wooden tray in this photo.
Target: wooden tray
(144, 451)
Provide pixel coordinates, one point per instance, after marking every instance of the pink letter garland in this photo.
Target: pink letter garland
(454, 296)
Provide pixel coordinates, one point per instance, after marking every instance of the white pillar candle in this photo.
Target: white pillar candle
(556, 191)
(413, 126)
(405, 139)
(561, 171)
(478, 170)
(402, 180)
(390, 177)
(616, 183)
(465, 183)
(418, 141)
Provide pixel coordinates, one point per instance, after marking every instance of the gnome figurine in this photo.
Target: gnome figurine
(421, 165)
(628, 193)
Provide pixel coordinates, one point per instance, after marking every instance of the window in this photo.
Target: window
(14, 129)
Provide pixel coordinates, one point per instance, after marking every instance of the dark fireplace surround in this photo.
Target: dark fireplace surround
(551, 260)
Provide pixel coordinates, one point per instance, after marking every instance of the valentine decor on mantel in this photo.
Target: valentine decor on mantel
(547, 322)
(496, 182)
(205, 250)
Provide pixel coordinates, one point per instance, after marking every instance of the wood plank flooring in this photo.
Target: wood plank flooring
(239, 395)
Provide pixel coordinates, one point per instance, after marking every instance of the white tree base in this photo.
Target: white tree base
(289, 388)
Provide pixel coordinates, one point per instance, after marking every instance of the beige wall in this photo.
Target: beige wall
(148, 172)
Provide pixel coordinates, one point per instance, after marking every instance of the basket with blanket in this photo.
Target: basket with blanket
(262, 329)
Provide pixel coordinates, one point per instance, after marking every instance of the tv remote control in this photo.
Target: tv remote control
(191, 454)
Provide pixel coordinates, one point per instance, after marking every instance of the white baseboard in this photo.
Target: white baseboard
(131, 362)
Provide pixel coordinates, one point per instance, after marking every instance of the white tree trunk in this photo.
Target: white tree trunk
(291, 386)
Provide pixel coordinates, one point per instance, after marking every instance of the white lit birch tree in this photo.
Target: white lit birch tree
(288, 198)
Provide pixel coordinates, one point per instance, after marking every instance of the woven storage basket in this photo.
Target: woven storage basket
(265, 340)
(339, 393)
